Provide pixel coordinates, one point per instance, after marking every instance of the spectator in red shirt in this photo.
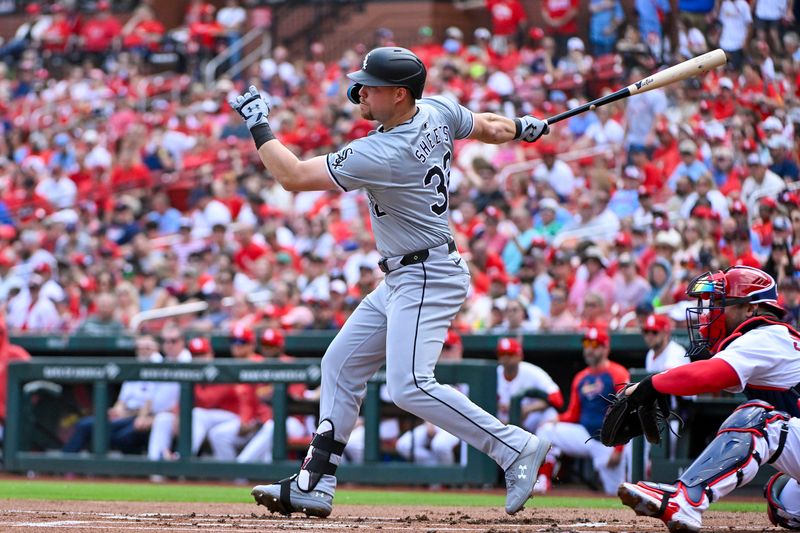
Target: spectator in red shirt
(100, 35)
(57, 38)
(508, 21)
(142, 34)
(560, 16)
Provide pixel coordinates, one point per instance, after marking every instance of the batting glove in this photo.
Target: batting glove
(529, 129)
(252, 106)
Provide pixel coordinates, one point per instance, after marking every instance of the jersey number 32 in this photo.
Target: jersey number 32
(439, 177)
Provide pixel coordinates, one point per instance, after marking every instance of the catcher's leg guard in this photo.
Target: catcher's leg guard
(776, 511)
(734, 456)
(311, 490)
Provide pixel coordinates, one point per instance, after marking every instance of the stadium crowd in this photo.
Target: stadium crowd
(123, 190)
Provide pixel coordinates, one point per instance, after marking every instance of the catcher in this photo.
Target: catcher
(738, 344)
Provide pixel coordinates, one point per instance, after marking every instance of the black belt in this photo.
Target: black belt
(412, 258)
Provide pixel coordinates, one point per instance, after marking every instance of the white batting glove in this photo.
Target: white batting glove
(252, 106)
(529, 129)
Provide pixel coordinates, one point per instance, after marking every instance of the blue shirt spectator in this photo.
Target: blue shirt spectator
(606, 15)
(649, 19)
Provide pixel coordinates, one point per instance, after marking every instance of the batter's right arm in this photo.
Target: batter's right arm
(292, 173)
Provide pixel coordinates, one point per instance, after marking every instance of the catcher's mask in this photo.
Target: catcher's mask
(714, 292)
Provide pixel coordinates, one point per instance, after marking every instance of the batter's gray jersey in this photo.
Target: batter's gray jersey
(406, 172)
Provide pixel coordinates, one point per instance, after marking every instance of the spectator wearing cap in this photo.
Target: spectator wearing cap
(629, 286)
(782, 163)
(722, 169)
(100, 35)
(428, 444)
(427, 49)
(560, 318)
(575, 63)
(779, 262)
(659, 275)
(592, 277)
(549, 219)
(705, 192)
(690, 165)
(555, 172)
(50, 287)
(573, 434)
(625, 199)
(606, 17)
(32, 311)
(760, 182)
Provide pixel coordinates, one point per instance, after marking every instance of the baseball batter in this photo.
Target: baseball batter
(742, 347)
(404, 169)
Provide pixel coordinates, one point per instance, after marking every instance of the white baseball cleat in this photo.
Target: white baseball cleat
(521, 475)
(666, 502)
(285, 497)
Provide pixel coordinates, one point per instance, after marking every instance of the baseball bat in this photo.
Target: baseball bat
(681, 71)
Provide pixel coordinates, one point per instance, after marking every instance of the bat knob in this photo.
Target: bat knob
(592, 107)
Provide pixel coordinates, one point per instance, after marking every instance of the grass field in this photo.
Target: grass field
(144, 492)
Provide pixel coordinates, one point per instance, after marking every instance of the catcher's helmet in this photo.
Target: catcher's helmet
(714, 292)
(389, 66)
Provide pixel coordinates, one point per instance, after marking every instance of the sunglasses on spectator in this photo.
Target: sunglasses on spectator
(238, 342)
(649, 332)
(591, 304)
(171, 340)
(588, 343)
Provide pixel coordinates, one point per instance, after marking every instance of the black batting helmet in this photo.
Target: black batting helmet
(389, 66)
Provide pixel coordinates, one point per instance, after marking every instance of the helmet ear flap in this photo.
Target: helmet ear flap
(352, 93)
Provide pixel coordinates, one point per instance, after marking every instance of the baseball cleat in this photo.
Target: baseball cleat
(521, 475)
(666, 502)
(285, 497)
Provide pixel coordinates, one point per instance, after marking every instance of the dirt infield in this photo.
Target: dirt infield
(77, 516)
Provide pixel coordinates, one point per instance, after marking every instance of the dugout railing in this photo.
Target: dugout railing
(479, 376)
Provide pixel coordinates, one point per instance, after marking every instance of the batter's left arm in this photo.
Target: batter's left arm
(496, 129)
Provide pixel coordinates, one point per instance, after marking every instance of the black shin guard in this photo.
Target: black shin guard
(322, 458)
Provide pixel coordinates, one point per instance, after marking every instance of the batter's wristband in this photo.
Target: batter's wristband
(518, 125)
(261, 134)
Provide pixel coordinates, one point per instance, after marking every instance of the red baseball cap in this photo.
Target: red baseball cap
(623, 238)
(199, 345)
(272, 337)
(738, 207)
(452, 338)
(657, 323)
(597, 336)
(508, 346)
(242, 334)
(33, 8)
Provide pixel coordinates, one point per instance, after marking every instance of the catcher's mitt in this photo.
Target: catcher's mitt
(645, 413)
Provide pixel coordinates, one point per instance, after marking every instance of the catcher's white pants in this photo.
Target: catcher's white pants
(403, 323)
(573, 440)
(259, 448)
(425, 450)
